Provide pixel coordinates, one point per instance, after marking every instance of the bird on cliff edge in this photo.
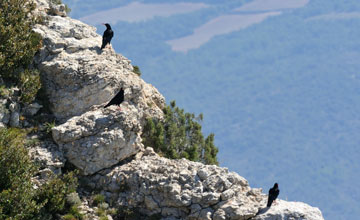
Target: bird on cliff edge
(117, 100)
(273, 194)
(107, 36)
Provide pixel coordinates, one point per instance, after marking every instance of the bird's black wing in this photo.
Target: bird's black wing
(117, 100)
(107, 36)
(277, 192)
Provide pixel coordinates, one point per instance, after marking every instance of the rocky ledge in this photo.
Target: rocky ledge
(182, 189)
(105, 144)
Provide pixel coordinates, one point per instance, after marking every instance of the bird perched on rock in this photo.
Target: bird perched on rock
(117, 100)
(107, 36)
(273, 194)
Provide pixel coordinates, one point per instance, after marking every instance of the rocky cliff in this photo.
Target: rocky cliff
(105, 144)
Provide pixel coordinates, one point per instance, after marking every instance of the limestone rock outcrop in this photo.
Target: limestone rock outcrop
(79, 79)
(289, 210)
(178, 188)
(101, 138)
(77, 74)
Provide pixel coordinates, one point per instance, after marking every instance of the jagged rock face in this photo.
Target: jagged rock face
(78, 75)
(179, 188)
(101, 138)
(79, 79)
(289, 210)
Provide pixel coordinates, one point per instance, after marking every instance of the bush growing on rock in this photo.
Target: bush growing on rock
(179, 136)
(20, 198)
(18, 45)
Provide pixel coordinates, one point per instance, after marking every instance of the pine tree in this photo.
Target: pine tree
(179, 135)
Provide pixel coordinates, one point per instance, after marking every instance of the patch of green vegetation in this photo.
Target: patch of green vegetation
(74, 213)
(137, 70)
(29, 85)
(49, 126)
(4, 92)
(179, 135)
(98, 199)
(101, 212)
(19, 199)
(18, 45)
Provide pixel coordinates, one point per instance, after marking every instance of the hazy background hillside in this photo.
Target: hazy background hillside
(278, 82)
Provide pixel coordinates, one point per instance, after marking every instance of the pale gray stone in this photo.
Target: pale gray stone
(160, 184)
(32, 109)
(289, 210)
(101, 138)
(15, 119)
(77, 75)
(226, 195)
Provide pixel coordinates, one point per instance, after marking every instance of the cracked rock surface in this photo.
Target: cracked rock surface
(179, 188)
(77, 74)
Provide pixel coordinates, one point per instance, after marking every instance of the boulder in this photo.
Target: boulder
(289, 210)
(101, 138)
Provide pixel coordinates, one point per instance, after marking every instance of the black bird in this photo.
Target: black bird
(117, 100)
(107, 36)
(273, 194)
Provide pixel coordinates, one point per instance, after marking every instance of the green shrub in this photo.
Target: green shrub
(18, 43)
(19, 199)
(137, 70)
(16, 170)
(29, 85)
(75, 212)
(98, 199)
(54, 193)
(179, 136)
(4, 92)
(68, 217)
(49, 126)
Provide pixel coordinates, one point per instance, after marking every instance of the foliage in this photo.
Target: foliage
(4, 92)
(49, 126)
(179, 136)
(18, 43)
(74, 212)
(98, 199)
(137, 70)
(29, 85)
(19, 199)
(16, 170)
(54, 193)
